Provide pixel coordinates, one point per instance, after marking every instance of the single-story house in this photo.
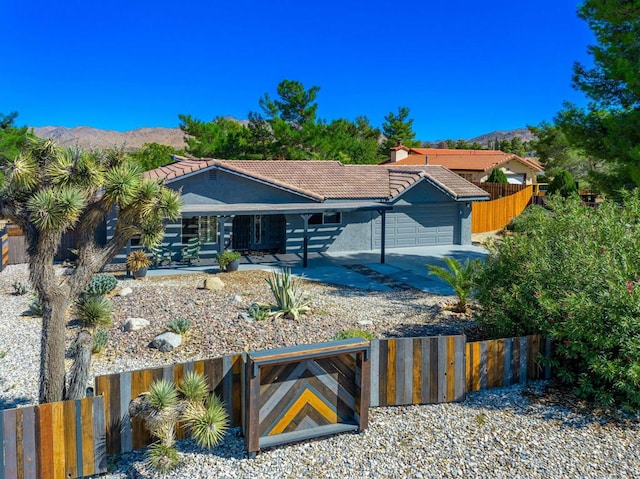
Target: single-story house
(472, 165)
(314, 206)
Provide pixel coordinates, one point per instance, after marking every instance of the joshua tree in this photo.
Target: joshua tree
(47, 191)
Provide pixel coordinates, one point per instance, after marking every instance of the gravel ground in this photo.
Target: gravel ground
(508, 432)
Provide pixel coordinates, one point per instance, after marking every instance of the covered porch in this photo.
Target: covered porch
(306, 211)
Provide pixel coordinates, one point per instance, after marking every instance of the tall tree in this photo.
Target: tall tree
(223, 138)
(349, 142)
(398, 126)
(48, 191)
(154, 155)
(609, 128)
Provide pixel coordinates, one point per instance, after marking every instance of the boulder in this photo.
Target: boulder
(365, 322)
(126, 291)
(134, 324)
(166, 342)
(237, 299)
(213, 284)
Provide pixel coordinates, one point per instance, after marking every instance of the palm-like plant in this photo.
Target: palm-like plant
(289, 297)
(459, 276)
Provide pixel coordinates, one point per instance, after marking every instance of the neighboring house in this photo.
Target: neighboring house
(315, 206)
(472, 165)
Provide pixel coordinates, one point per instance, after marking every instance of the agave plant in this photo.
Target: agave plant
(95, 310)
(290, 299)
(459, 276)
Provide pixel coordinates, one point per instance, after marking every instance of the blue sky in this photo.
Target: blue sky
(463, 67)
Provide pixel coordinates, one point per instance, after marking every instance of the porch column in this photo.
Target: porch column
(383, 220)
(221, 232)
(305, 240)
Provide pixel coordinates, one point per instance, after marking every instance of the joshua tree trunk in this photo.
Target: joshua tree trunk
(79, 372)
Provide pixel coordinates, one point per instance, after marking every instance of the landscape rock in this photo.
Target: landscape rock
(365, 322)
(237, 299)
(126, 291)
(246, 316)
(134, 324)
(213, 284)
(166, 342)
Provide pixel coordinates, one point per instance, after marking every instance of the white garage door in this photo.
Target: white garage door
(419, 226)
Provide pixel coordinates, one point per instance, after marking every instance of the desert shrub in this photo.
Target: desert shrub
(179, 325)
(20, 288)
(259, 312)
(459, 276)
(194, 387)
(574, 279)
(528, 220)
(354, 333)
(94, 310)
(497, 176)
(289, 297)
(100, 340)
(101, 283)
(562, 184)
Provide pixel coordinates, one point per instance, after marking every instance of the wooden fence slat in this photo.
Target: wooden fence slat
(99, 435)
(523, 359)
(375, 372)
(495, 214)
(70, 443)
(58, 435)
(9, 439)
(442, 368)
(507, 379)
(126, 432)
(450, 373)
(391, 371)
(86, 418)
(426, 377)
(460, 376)
(46, 440)
(29, 443)
(417, 368)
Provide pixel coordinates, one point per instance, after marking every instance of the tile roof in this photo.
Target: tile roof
(468, 160)
(326, 180)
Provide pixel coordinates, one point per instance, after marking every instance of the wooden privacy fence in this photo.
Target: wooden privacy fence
(499, 190)
(4, 248)
(496, 214)
(125, 434)
(53, 441)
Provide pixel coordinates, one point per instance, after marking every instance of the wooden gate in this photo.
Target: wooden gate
(306, 391)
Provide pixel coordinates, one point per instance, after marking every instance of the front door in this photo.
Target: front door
(259, 233)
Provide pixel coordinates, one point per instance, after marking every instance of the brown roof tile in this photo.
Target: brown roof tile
(322, 180)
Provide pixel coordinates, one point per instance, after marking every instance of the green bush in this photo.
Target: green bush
(528, 220)
(575, 278)
(354, 333)
(95, 311)
(260, 312)
(101, 283)
(497, 176)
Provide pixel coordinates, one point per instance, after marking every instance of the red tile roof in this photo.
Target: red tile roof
(464, 160)
(323, 180)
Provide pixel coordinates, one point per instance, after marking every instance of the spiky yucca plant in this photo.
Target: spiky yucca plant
(194, 387)
(459, 276)
(95, 310)
(165, 405)
(207, 422)
(290, 299)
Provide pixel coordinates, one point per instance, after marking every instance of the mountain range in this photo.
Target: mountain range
(87, 137)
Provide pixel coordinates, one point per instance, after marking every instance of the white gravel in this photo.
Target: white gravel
(508, 432)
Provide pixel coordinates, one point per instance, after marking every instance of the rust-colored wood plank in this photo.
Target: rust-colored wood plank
(499, 363)
(69, 420)
(477, 364)
(533, 370)
(433, 370)
(59, 445)
(19, 444)
(88, 457)
(391, 372)
(140, 382)
(178, 373)
(450, 373)
(198, 367)
(252, 437)
(46, 440)
(113, 426)
(236, 404)
(469, 367)
(417, 371)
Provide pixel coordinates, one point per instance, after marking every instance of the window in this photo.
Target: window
(325, 219)
(467, 176)
(205, 228)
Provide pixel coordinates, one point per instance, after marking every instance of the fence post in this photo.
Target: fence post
(4, 248)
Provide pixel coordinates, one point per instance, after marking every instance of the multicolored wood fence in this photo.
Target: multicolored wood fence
(55, 441)
(125, 434)
(4, 249)
(306, 391)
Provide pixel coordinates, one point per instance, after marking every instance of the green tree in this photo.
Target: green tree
(154, 155)
(349, 142)
(398, 126)
(562, 184)
(609, 128)
(222, 138)
(12, 138)
(497, 176)
(48, 191)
